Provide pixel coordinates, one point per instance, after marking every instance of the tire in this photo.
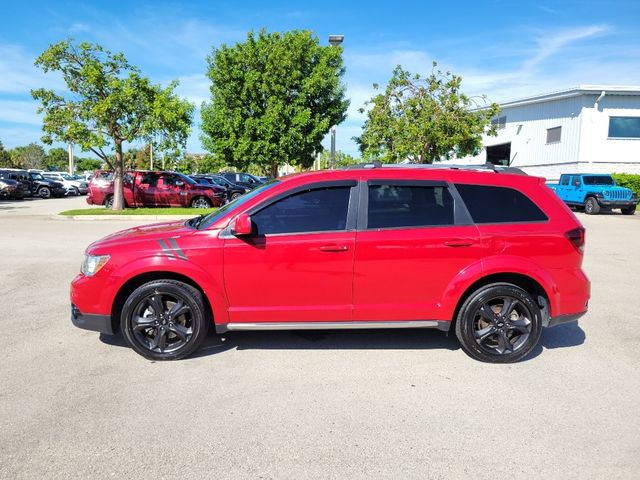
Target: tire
(235, 195)
(44, 192)
(591, 206)
(179, 329)
(486, 335)
(628, 210)
(200, 202)
(76, 192)
(108, 202)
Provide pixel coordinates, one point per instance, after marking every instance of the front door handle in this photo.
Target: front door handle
(334, 248)
(459, 242)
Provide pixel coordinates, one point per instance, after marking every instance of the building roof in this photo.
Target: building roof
(574, 92)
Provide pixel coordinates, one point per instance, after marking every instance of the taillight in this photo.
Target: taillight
(576, 237)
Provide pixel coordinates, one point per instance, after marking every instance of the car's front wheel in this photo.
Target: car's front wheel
(628, 210)
(499, 323)
(591, 206)
(164, 320)
(44, 192)
(200, 202)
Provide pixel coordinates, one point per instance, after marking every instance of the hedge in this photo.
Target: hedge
(628, 180)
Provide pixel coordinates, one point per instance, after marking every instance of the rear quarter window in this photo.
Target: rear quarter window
(492, 204)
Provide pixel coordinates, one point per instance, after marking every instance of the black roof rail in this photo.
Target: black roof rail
(485, 167)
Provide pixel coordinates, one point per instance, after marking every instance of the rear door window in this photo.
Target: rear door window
(406, 206)
(491, 204)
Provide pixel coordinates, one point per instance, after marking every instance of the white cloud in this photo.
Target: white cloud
(18, 75)
(195, 88)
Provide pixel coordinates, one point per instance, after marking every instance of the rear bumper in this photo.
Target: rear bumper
(93, 322)
(562, 319)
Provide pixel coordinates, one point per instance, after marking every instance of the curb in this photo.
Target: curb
(121, 217)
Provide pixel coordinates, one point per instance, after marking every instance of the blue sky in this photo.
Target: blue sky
(503, 49)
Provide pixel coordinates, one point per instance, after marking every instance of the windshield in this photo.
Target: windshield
(598, 180)
(36, 176)
(213, 216)
(66, 176)
(188, 180)
(221, 181)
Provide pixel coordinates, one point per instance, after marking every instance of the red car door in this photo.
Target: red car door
(298, 265)
(409, 250)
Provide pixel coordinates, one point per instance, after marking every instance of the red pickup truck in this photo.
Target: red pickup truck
(155, 189)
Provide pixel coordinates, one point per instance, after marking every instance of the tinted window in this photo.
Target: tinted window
(598, 180)
(565, 180)
(488, 204)
(309, 211)
(395, 206)
(624, 127)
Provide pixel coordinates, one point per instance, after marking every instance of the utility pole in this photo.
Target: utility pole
(71, 165)
(151, 156)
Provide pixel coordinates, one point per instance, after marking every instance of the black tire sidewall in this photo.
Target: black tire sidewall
(197, 199)
(595, 208)
(464, 322)
(44, 189)
(190, 295)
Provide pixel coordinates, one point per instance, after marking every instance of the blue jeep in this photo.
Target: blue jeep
(594, 192)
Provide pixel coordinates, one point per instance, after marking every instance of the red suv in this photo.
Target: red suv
(493, 255)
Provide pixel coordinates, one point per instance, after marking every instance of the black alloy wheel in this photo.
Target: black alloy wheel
(164, 320)
(499, 323)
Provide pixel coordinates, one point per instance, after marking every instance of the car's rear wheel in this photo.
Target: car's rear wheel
(499, 323)
(108, 203)
(628, 210)
(44, 192)
(200, 202)
(164, 320)
(235, 195)
(591, 206)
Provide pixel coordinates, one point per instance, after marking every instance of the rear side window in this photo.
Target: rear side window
(321, 210)
(489, 204)
(397, 206)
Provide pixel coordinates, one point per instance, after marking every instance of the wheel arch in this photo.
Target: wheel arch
(526, 282)
(134, 282)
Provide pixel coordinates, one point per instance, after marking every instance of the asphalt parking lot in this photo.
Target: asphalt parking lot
(362, 404)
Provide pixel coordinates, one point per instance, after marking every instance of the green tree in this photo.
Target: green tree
(342, 159)
(425, 119)
(88, 164)
(57, 158)
(108, 103)
(5, 157)
(30, 156)
(273, 99)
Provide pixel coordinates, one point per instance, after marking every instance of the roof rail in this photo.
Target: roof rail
(486, 167)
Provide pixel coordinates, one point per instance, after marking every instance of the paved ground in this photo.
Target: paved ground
(375, 404)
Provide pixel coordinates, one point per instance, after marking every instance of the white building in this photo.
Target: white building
(590, 128)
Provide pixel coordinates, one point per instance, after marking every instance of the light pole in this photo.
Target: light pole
(334, 41)
(71, 165)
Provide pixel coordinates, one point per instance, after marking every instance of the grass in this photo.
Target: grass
(139, 211)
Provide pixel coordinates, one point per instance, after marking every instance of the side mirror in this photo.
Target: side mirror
(242, 225)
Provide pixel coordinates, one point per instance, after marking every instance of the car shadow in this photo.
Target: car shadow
(563, 336)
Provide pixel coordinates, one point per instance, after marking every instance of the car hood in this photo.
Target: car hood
(142, 233)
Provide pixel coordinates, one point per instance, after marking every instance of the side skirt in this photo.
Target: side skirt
(443, 325)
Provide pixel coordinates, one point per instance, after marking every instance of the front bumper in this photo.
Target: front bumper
(93, 322)
(618, 203)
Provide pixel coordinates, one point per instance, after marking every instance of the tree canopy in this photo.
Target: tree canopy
(424, 119)
(5, 157)
(273, 99)
(108, 103)
(29, 156)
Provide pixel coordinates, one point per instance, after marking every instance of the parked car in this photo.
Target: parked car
(595, 192)
(243, 179)
(155, 189)
(233, 190)
(492, 256)
(22, 179)
(73, 186)
(10, 189)
(38, 185)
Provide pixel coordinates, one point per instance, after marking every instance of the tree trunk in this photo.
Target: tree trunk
(118, 196)
(274, 170)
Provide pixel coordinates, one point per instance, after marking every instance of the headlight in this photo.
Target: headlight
(92, 264)
(3, 184)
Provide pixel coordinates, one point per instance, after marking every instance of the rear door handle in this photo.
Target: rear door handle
(334, 248)
(459, 242)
